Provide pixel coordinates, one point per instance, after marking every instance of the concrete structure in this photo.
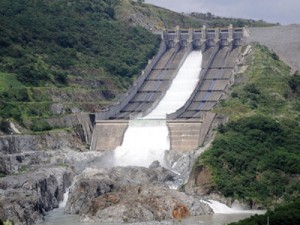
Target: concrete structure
(108, 134)
(190, 124)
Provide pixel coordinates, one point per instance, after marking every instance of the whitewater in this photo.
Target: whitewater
(147, 138)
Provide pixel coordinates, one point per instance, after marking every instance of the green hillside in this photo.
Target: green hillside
(256, 156)
(75, 53)
(288, 214)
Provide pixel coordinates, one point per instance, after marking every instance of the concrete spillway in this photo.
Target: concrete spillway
(182, 87)
(189, 125)
(217, 78)
(146, 139)
(156, 83)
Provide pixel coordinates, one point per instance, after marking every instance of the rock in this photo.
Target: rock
(75, 110)
(200, 182)
(180, 211)
(25, 198)
(26, 161)
(57, 108)
(130, 194)
(12, 144)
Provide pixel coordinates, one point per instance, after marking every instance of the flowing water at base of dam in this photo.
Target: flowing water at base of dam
(144, 142)
(146, 139)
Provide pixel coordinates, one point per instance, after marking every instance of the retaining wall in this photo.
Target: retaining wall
(125, 99)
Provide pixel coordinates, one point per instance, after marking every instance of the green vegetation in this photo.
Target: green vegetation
(153, 17)
(57, 51)
(24, 169)
(284, 215)
(41, 39)
(256, 156)
(266, 90)
(4, 126)
(216, 21)
(39, 126)
(159, 18)
(5, 222)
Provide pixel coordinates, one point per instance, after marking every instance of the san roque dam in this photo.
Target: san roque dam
(212, 54)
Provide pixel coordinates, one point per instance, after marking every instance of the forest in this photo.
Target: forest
(46, 44)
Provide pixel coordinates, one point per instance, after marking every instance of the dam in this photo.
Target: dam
(190, 124)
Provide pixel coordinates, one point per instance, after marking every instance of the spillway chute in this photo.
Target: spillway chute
(147, 139)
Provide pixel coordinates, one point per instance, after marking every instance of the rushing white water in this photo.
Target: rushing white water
(147, 139)
(181, 88)
(220, 208)
(144, 142)
(63, 203)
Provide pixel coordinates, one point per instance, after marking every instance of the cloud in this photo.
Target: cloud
(282, 11)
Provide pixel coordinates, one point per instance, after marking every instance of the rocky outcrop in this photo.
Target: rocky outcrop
(200, 182)
(25, 198)
(130, 194)
(17, 152)
(12, 144)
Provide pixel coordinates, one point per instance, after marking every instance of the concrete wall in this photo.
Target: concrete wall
(108, 134)
(208, 119)
(184, 135)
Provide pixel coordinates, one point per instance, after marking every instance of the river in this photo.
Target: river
(57, 217)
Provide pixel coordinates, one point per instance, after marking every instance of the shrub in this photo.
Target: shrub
(5, 126)
(38, 126)
(255, 158)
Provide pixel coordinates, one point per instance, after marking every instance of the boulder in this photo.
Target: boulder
(200, 182)
(130, 194)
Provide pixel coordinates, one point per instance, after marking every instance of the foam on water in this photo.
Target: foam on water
(143, 143)
(220, 208)
(147, 139)
(63, 203)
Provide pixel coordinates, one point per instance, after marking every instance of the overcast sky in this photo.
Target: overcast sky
(282, 11)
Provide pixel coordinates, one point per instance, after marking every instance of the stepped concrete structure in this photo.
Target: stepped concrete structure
(190, 124)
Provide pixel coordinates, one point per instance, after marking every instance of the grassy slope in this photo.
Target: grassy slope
(216, 21)
(256, 156)
(153, 17)
(157, 18)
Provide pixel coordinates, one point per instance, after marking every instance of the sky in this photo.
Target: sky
(281, 11)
